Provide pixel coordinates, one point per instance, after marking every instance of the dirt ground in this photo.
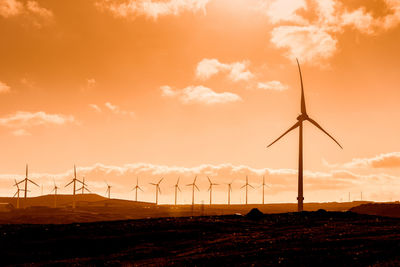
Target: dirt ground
(291, 239)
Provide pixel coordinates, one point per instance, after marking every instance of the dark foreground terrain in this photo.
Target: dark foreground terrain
(299, 239)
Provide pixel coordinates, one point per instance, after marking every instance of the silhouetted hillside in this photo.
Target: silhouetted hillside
(381, 209)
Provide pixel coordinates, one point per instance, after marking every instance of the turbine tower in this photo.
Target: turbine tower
(176, 190)
(229, 192)
(247, 186)
(74, 180)
(136, 188)
(300, 119)
(193, 185)
(17, 193)
(210, 188)
(25, 181)
(263, 186)
(158, 190)
(108, 191)
(55, 188)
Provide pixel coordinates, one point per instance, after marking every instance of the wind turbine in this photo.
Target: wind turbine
(136, 188)
(263, 187)
(302, 117)
(55, 188)
(210, 188)
(247, 185)
(108, 191)
(84, 187)
(176, 190)
(193, 185)
(17, 193)
(229, 192)
(74, 180)
(158, 190)
(25, 181)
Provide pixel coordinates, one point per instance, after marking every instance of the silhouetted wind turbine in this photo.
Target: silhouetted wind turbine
(263, 187)
(193, 185)
(176, 190)
(302, 117)
(17, 193)
(74, 180)
(55, 188)
(83, 187)
(108, 191)
(158, 190)
(26, 180)
(136, 188)
(229, 192)
(247, 185)
(210, 188)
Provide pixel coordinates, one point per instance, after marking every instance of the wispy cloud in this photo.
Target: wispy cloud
(21, 120)
(236, 71)
(95, 107)
(272, 85)
(387, 160)
(151, 9)
(116, 110)
(314, 38)
(200, 94)
(31, 10)
(4, 88)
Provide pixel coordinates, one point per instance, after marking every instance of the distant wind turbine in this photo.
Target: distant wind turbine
(17, 193)
(210, 188)
(158, 190)
(74, 180)
(247, 185)
(136, 188)
(263, 187)
(108, 191)
(55, 188)
(176, 190)
(193, 185)
(83, 187)
(302, 117)
(25, 181)
(229, 192)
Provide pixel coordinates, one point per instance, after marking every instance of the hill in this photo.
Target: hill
(381, 209)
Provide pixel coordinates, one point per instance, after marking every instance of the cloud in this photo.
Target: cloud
(314, 38)
(319, 186)
(388, 160)
(95, 107)
(151, 9)
(4, 88)
(116, 110)
(23, 119)
(30, 10)
(199, 94)
(237, 71)
(272, 85)
(21, 132)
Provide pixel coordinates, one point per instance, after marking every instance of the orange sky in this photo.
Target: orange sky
(189, 87)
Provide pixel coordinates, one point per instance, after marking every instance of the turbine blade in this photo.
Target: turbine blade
(319, 127)
(209, 179)
(195, 178)
(303, 101)
(69, 183)
(160, 180)
(15, 194)
(88, 190)
(33, 182)
(178, 180)
(152, 183)
(290, 129)
(159, 190)
(243, 186)
(179, 189)
(21, 181)
(251, 186)
(140, 189)
(197, 188)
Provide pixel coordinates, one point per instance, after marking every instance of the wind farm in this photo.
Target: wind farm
(199, 133)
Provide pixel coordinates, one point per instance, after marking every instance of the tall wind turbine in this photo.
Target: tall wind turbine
(302, 117)
(158, 190)
(108, 191)
(55, 188)
(25, 181)
(210, 188)
(136, 188)
(263, 187)
(229, 192)
(193, 185)
(83, 187)
(17, 193)
(247, 186)
(176, 190)
(74, 180)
